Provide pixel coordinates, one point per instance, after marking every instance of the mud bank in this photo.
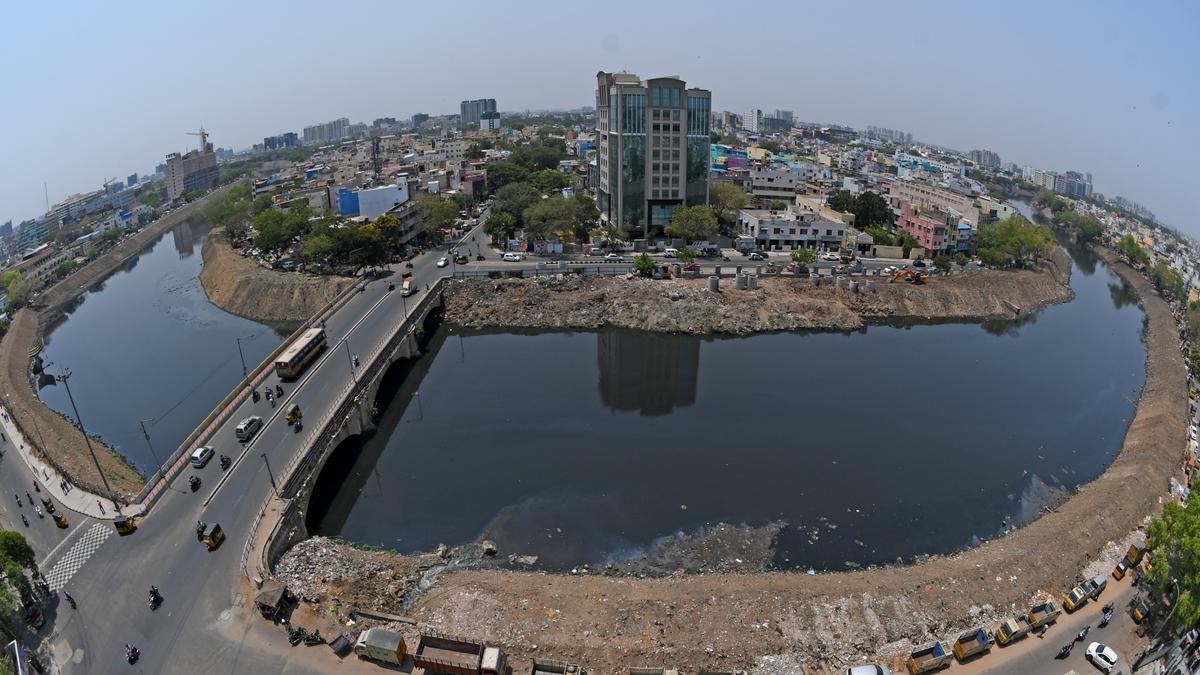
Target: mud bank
(791, 622)
(241, 286)
(779, 303)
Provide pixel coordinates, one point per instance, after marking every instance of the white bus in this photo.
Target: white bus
(297, 356)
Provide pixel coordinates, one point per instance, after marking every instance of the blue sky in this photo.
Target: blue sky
(96, 90)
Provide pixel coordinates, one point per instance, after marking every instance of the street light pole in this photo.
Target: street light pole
(153, 454)
(243, 356)
(353, 374)
(269, 474)
(66, 375)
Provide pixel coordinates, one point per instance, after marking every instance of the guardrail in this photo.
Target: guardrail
(152, 491)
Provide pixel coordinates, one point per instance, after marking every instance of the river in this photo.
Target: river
(884, 444)
(148, 345)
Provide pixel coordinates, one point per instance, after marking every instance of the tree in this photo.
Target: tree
(1167, 281)
(277, 228)
(803, 257)
(549, 180)
(435, 213)
(1129, 248)
(474, 151)
(14, 546)
(515, 198)
(871, 209)
(644, 265)
(772, 147)
(64, 268)
(19, 288)
(962, 259)
(692, 223)
(1014, 241)
(991, 257)
(584, 215)
(501, 225)
(548, 216)
(726, 199)
(537, 157)
(686, 254)
(881, 236)
(504, 173)
(943, 263)
(261, 203)
(777, 205)
(844, 201)
(1175, 558)
(112, 234)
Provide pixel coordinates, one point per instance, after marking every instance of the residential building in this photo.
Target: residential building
(818, 205)
(327, 132)
(785, 115)
(375, 202)
(6, 229)
(285, 140)
(195, 169)
(791, 228)
(985, 158)
(927, 226)
(32, 233)
(489, 121)
(752, 121)
(769, 183)
(925, 195)
(653, 149)
(40, 266)
(470, 112)
(419, 118)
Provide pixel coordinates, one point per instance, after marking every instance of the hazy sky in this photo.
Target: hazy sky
(96, 90)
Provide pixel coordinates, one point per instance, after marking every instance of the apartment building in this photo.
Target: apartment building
(653, 151)
(470, 112)
(771, 183)
(928, 226)
(792, 228)
(326, 132)
(925, 195)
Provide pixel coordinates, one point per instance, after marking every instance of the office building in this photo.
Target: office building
(419, 118)
(785, 115)
(194, 169)
(489, 121)
(470, 112)
(327, 132)
(752, 121)
(285, 140)
(131, 180)
(653, 149)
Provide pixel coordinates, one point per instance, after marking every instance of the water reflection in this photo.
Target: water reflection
(651, 373)
(1010, 327)
(1123, 295)
(184, 237)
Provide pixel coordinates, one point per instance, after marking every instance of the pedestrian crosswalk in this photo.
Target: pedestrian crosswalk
(79, 553)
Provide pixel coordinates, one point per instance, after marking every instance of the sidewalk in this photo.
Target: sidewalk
(74, 499)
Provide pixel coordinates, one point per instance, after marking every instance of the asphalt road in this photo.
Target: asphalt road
(196, 629)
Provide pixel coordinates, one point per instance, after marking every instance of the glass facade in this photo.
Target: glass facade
(633, 178)
(633, 117)
(698, 125)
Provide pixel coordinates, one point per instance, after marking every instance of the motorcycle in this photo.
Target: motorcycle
(271, 400)
(296, 635)
(38, 510)
(314, 638)
(70, 600)
(1108, 615)
(1082, 634)
(391, 287)
(225, 462)
(131, 654)
(298, 426)
(1066, 650)
(278, 390)
(24, 520)
(194, 483)
(155, 598)
(254, 395)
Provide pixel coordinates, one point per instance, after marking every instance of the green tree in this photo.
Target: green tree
(803, 257)
(153, 198)
(14, 546)
(686, 254)
(1015, 240)
(583, 216)
(1174, 571)
(777, 205)
(64, 268)
(538, 157)
(18, 288)
(881, 236)
(504, 173)
(1167, 281)
(962, 259)
(474, 151)
(546, 217)
(772, 147)
(1129, 248)
(644, 265)
(871, 209)
(549, 180)
(991, 257)
(515, 198)
(726, 199)
(276, 229)
(844, 201)
(692, 223)
(943, 263)
(112, 234)
(261, 203)
(501, 225)
(435, 213)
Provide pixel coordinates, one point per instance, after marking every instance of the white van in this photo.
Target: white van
(670, 252)
(201, 456)
(247, 428)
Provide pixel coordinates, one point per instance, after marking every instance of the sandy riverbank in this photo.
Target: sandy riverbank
(779, 303)
(242, 287)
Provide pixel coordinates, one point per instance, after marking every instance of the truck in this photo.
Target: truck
(438, 653)
(1078, 596)
(930, 658)
(972, 642)
(1043, 613)
(408, 284)
(380, 644)
(1012, 630)
(541, 667)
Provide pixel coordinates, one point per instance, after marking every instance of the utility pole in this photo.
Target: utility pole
(269, 474)
(146, 435)
(243, 356)
(66, 375)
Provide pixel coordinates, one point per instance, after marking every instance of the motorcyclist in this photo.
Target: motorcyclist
(24, 520)
(278, 390)
(38, 509)
(69, 598)
(355, 360)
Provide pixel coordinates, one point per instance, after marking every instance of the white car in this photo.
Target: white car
(512, 257)
(1102, 656)
(868, 669)
(829, 257)
(443, 261)
(890, 269)
(616, 257)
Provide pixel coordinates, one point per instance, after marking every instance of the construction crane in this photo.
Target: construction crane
(108, 182)
(203, 137)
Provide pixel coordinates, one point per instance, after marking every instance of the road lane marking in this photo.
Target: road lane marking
(77, 555)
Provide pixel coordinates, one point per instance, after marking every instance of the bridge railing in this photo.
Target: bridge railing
(297, 471)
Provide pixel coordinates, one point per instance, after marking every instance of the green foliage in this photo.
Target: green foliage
(549, 180)
(501, 225)
(881, 236)
(692, 223)
(1175, 559)
(228, 174)
(515, 198)
(1167, 281)
(869, 208)
(474, 151)
(772, 147)
(152, 198)
(277, 228)
(13, 546)
(962, 259)
(687, 254)
(777, 205)
(436, 213)
(1086, 228)
(191, 194)
(544, 155)
(1016, 241)
(18, 288)
(1194, 360)
(504, 173)
(943, 262)
(804, 256)
(1129, 248)
(644, 265)
(64, 268)
(991, 257)
(229, 208)
(726, 199)
(261, 203)
(112, 234)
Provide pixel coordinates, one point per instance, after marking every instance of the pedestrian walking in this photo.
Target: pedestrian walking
(102, 511)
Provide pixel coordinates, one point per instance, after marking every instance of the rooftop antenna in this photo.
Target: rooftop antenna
(46, 188)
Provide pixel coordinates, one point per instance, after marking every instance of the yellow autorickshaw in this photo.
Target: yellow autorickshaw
(124, 525)
(60, 520)
(211, 536)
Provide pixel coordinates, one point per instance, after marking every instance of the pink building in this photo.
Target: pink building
(927, 226)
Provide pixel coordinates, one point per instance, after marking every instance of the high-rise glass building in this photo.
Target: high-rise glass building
(470, 112)
(653, 149)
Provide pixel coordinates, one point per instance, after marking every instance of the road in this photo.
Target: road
(200, 626)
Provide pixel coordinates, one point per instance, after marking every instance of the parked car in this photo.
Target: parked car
(443, 261)
(670, 252)
(868, 669)
(918, 263)
(1102, 656)
(595, 251)
(757, 256)
(512, 257)
(616, 257)
(829, 257)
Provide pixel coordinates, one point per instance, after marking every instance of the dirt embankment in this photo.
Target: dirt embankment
(779, 303)
(790, 622)
(241, 286)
